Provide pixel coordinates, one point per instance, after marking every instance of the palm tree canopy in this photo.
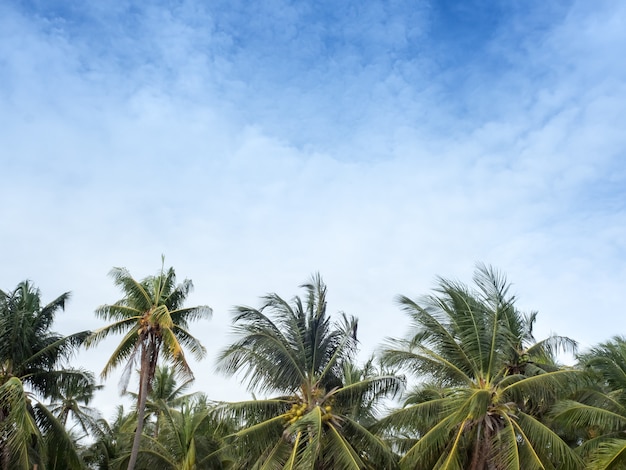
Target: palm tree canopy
(150, 307)
(317, 421)
(72, 399)
(298, 337)
(28, 348)
(32, 368)
(461, 334)
(155, 324)
(191, 438)
(596, 416)
(485, 381)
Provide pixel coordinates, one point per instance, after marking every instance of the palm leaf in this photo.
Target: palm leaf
(18, 428)
(610, 454)
(546, 443)
(340, 453)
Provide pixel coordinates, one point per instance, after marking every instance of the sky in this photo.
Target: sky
(380, 143)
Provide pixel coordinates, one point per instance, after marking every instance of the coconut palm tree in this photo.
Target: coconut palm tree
(596, 417)
(483, 385)
(191, 438)
(112, 441)
(294, 350)
(70, 406)
(32, 368)
(72, 400)
(154, 323)
(165, 393)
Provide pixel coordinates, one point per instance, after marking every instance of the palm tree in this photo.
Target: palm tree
(112, 441)
(165, 393)
(482, 391)
(292, 349)
(192, 438)
(596, 417)
(154, 323)
(72, 400)
(32, 369)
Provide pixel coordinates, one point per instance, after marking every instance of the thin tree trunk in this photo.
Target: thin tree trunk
(141, 406)
(479, 459)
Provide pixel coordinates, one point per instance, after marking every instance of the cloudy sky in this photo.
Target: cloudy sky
(381, 143)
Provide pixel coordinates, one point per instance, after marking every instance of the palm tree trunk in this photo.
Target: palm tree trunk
(479, 457)
(141, 406)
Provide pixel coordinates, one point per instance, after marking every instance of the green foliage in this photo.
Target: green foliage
(486, 383)
(319, 419)
(596, 417)
(32, 369)
(488, 395)
(151, 312)
(155, 324)
(191, 438)
(111, 441)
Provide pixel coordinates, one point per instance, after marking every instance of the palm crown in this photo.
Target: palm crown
(154, 323)
(294, 349)
(484, 381)
(33, 366)
(596, 416)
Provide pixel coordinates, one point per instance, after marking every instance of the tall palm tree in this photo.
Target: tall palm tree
(292, 349)
(33, 362)
(483, 384)
(596, 417)
(154, 323)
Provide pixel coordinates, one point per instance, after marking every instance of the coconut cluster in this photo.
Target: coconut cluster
(299, 409)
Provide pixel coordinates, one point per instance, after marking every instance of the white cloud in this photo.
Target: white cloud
(381, 171)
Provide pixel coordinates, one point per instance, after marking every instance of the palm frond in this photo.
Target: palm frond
(547, 349)
(58, 439)
(340, 453)
(125, 352)
(18, 428)
(545, 388)
(505, 450)
(426, 451)
(420, 360)
(609, 455)
(136, 293)
(182, 316)
(188, 341)
(546, 443)
(260, 347)
(575, 415)
(372, 448)
(119, 312)
(247, 412)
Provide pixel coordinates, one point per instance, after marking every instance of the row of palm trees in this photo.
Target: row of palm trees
(469, 387)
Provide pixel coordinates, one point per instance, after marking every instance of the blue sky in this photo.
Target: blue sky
(379, 143)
